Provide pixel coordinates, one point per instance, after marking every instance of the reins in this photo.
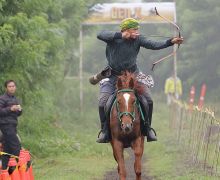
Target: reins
(126, 113)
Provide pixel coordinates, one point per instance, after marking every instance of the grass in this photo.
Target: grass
(85, 160)
(67, 167)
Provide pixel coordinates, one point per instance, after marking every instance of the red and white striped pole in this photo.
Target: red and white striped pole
(202, 96)
(192, 97)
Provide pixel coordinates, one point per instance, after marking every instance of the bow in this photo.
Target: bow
(179, 34)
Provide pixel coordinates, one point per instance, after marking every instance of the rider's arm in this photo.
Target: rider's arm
(108, 36)
(154, 45)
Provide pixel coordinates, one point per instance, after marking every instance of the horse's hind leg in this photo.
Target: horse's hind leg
(138, 147)
(119, 157)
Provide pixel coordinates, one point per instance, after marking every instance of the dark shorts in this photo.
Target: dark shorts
(107, 88)
(108, 85)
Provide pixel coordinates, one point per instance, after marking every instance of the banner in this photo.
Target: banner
(145, 12)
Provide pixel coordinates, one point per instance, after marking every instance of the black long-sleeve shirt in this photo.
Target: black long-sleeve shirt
(122, 54)
(6, 115)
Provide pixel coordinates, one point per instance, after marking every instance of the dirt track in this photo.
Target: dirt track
(113, 174)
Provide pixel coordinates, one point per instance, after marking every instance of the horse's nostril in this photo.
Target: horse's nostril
(122, 125)
(127, 129)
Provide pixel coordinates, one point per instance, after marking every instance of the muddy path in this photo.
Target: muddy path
(113, 174)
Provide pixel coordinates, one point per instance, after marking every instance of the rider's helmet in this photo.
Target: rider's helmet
(129, 23)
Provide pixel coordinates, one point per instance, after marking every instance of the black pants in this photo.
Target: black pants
(11, 143)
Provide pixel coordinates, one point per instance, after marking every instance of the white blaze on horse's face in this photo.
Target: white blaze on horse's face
(127, 97)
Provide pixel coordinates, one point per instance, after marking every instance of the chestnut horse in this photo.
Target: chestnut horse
(125, 124)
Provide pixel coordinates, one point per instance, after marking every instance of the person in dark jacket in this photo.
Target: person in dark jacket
(10, 109)
(121, 53)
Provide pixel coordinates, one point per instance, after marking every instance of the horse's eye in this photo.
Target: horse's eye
(119, 99)
(132, 100)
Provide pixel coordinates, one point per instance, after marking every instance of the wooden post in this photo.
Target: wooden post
(81, 68)
(175, 113)
(175, 58)
(208, 143)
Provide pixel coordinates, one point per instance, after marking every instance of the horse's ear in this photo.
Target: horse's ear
(131, 83)
(119, 83)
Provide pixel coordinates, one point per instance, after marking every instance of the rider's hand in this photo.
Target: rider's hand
(126, 35)
(177, 40)
(130, 34)
(134, 35)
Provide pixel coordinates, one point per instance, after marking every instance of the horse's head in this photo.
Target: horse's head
(126, 101)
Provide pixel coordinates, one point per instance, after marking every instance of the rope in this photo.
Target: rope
(11, 155)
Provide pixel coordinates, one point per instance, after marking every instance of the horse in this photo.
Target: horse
(125, 123)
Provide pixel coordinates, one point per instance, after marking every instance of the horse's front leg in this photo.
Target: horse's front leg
(138, 147)
(118, 149)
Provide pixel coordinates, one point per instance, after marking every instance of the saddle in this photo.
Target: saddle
(109, 104)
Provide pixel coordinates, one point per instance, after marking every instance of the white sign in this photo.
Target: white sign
(145, 12)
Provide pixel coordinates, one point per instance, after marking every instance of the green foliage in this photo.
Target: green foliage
(200, 54)
(37, 38)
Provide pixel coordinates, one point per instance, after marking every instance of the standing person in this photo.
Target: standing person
(121, 53)
(10, 109)
(169, 88)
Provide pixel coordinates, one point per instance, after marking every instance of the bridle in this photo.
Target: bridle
(126, 113)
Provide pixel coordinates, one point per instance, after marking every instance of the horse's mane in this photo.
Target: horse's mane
(125, 78)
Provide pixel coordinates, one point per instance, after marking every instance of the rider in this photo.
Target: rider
(121, 53)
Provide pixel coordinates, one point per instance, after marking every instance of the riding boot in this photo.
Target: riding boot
(103, 136)
(147, 109)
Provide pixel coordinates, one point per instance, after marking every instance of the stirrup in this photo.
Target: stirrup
(99, 133)
(153, 131)
(149, 139)
(104, 139)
